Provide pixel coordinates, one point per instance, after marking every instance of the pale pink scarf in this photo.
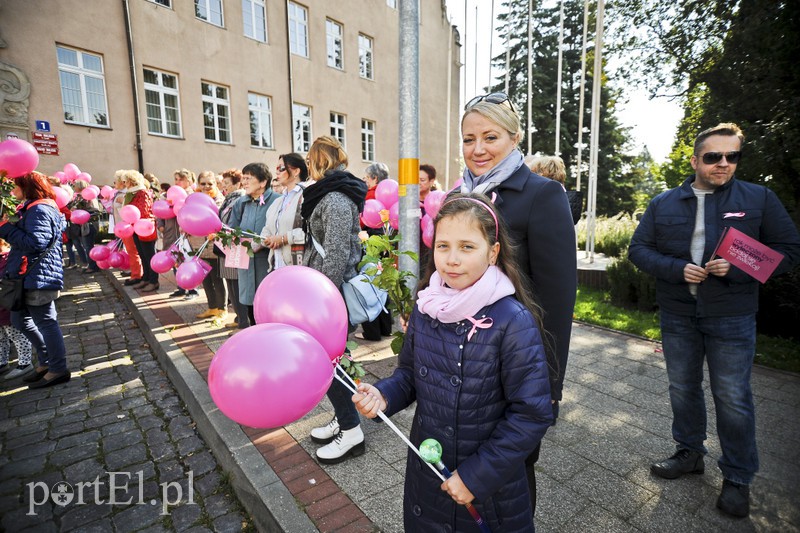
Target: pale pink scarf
(452, 305)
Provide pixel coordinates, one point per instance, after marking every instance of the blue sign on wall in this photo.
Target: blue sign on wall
(42, 125)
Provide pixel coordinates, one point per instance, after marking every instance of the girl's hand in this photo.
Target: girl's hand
(457, 490)
(369, 400)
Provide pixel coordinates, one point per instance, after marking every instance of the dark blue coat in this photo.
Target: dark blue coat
(39, 224)
(487, 401)
(661, 245)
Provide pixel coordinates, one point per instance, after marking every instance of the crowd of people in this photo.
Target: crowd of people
(486, 347)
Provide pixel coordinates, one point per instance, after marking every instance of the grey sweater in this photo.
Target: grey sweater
(334, 224)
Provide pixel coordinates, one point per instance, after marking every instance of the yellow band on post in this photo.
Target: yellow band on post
(408, 171)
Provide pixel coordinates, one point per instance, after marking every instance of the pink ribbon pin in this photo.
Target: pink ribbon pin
(483, 323)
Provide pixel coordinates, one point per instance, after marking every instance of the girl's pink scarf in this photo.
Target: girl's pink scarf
(452, 305)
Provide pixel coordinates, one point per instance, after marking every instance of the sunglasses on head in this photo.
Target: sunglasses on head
(712, 158)
(280, 168)
(492, 98)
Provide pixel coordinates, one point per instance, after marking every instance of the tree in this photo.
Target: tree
(616, 183)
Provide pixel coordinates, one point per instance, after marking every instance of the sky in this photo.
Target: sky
(653, 122)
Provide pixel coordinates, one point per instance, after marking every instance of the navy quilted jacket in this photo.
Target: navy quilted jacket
(487, 401)
(40, 222)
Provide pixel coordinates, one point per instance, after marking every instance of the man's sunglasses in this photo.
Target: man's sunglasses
(712, 158)
(492, 98)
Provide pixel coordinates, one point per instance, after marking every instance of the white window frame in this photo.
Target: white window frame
(302, 128)
(209, 17)
(260, 120)
(392, 3)
(366, 56)
(250, 10)
(335, 43)
(217, 104)
(162, 3)
(83, 73)
(338, 127)
(296, 24)
(367, 140)
(163, 92)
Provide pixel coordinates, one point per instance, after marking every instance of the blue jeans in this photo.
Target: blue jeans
(39, 324)
(343, 405)
(728, 344)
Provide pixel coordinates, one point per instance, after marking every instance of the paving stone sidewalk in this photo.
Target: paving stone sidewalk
(119, 413)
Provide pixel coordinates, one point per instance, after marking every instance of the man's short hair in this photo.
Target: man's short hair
(723, 128)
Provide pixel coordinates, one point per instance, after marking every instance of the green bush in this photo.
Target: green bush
(612, 234)
(630, 287)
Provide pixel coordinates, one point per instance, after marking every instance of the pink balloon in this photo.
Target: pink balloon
(191, 273)
(198, 220)
(130, 213)
(394, 215)
(115, 259)
(200, 198)
(269, 375)
(162, 209)
(162, 262)
(62, 197)
(61, 176)
(99, 253)
(88, 194)
(106, 191)
(144, 227)
(71, 170)
(123, 231)
(95, 188)
(79, 216)
(372, 213)
(175, 192)
(427, 227)
(85, 176)
(433, 202)
(387, 192)
(126, 261)
(307, 299)
(17, 157)
(177, 205)
(103, 265)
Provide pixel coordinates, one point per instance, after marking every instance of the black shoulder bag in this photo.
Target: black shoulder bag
(12, 293)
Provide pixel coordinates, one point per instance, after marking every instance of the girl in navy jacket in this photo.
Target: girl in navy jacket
(474, 362)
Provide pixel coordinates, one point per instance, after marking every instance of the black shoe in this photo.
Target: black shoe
(734, 499)
(132, 281)
(179, 292)
(36, 376)
(683, 462)
(42, 383)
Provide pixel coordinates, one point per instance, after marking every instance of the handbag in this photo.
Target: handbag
(364, 300)
(12, 292)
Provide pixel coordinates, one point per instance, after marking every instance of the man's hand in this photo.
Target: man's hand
(457, 490)
(718, 267)
(694, 274)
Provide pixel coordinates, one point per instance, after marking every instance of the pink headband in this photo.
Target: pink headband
(483, 205)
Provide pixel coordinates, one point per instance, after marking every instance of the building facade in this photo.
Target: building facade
(213, 84)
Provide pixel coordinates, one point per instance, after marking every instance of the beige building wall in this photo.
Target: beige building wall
(172, 40)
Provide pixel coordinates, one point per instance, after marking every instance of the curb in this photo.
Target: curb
(262, 493)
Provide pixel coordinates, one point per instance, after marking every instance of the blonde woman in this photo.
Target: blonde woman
(213, 284)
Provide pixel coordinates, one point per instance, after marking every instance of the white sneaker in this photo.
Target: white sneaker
(19, 371)
(345, 443)
(326, 433)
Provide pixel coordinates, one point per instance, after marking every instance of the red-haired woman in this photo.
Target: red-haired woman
(36, 238)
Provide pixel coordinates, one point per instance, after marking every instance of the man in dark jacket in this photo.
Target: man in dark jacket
(708, 308)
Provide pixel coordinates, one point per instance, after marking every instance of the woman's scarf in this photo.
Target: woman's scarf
(334, 180)
(485, 183)
(448, 305)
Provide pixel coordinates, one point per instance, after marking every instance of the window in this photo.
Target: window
(209, 10)
(392, 3)
(83, 87)
(365, 56)
(337, 127)
(162, 102)
(301, 116)
(260, 120)
(255, 19)
(298, 29)
(216, 112)
(165, 3)
(334, 33)
(367, 140)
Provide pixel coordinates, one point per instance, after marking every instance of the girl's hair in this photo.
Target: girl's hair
(35, 186)
(325, 154)
(233, 174)
(500, 114)
(295, 160)
(480, 209)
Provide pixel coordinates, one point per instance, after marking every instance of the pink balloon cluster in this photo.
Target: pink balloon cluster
(109, 257)
(199, 215)
(277, 371)
(386, 199)
(17, 158)
(433, 202)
